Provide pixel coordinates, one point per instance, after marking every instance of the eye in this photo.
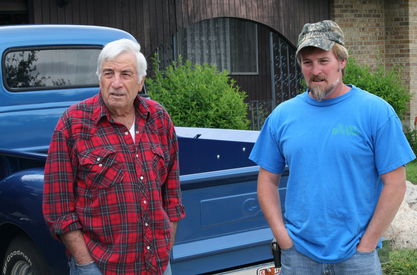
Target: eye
(107, 74)
(126, 74)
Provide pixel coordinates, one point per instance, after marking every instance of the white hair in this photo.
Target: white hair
(114, 48)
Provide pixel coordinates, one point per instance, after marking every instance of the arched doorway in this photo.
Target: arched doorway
(261, 60)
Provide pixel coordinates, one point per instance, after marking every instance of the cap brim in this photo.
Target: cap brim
(323, 44)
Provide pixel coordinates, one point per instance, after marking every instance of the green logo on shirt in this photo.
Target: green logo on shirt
(345, 130)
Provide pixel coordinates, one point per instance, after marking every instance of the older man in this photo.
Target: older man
(112, 192)
(346, 152)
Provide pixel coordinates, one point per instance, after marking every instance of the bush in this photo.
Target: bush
(411, 135)
(411, 171)
(198, 96)
(382, 82)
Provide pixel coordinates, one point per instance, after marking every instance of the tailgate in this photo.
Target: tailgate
(224, 226)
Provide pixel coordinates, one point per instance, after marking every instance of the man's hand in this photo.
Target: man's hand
(174, 231)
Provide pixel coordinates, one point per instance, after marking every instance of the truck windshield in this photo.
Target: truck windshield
(50, 68)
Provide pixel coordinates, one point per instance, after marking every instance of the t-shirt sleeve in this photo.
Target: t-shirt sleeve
(266, 152)
(392, 149)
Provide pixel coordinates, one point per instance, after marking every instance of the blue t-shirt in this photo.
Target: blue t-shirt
(336, 151)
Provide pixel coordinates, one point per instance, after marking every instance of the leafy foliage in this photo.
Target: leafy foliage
(198, 96)
(411, 170)
(383, 82)
(411, 135)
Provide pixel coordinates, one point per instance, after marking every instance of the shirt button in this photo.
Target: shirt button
(146, 224)
(141, 177)
(126, 133)
(137, 155)
(137, 132)
(100, 165)
(144, 202)
(98, 159)
(148, 247)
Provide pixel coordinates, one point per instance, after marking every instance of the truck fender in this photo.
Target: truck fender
(21, 219)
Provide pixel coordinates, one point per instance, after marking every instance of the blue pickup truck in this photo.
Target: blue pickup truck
(47, 68)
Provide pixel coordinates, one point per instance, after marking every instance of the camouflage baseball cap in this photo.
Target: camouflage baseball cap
(322, 35)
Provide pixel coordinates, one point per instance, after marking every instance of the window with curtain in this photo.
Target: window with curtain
(230, 44)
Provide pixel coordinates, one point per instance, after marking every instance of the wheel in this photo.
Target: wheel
(24, 258)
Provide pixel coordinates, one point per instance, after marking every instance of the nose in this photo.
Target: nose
(116, 81)
(315, 69)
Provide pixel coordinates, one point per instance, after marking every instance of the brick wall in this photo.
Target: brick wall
(397, 45)
(385, 28)
(363, 25)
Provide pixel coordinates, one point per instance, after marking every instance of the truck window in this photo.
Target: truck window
(29, 69)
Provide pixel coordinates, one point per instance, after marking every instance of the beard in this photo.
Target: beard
(320, 93)
(317, 91)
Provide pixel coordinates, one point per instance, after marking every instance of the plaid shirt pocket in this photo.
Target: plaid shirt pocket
(100, 168)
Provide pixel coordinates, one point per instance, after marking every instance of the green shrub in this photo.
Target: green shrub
(198, 96)
(411, 170)
(382, 82)
(411, 135)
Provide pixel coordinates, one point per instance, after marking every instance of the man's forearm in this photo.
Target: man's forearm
(389, 201)
(268, 196)
(75, 243)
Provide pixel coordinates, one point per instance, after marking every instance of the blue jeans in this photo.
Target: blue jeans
(86, 269)
(361, 263)
(92, 269)
(168, 270)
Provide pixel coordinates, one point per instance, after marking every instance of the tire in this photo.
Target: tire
(24, 258)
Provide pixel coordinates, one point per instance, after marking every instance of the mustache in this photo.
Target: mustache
(318, 78)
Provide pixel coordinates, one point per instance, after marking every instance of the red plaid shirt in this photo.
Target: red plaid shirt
(122, 194)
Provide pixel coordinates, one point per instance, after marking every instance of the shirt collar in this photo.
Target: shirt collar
(101, 110)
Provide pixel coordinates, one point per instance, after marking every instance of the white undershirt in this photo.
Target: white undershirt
(132, 130)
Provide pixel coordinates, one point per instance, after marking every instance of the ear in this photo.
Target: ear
(343, 63)
(141, 84)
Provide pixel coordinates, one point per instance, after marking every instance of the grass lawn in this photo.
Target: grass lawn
(403, 262)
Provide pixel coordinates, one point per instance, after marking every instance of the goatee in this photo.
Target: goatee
(320, 93)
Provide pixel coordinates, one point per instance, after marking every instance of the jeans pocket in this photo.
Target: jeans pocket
(362, 263)
(84, 265)
(288, 249)
(365, 253)
(88, 269)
